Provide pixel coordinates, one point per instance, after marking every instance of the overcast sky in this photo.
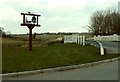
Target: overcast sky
(56, 15)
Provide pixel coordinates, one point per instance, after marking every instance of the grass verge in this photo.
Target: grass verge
(16, 59)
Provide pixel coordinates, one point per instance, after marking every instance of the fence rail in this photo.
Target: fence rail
(74, 39)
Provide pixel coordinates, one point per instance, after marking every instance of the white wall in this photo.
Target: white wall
(114, 37)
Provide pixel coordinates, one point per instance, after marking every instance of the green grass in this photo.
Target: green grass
(43, 37)
(16, 58)
(23, 40)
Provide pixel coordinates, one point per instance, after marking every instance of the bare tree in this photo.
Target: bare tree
(105, 22)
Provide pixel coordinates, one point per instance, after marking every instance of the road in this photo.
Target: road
(111, 47)
(106, 71)
(111, 44)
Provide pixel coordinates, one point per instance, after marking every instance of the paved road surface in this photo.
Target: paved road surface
(111, 44)
(112, 47)
(106, 71)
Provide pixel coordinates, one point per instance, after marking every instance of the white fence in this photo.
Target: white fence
(114, 37)
(80, 40)
(74, 39)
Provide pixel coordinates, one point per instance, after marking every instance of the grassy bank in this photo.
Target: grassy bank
(17, 58)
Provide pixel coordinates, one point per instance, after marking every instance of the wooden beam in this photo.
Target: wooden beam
(30, 25)
(30, 14)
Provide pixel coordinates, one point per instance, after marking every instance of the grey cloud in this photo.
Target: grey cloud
(52, 20)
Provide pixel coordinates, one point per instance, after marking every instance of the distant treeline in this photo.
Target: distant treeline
(4, 34)
(60, 33)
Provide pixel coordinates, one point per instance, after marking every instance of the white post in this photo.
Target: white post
(115, 36)
(101, 48)
(78, 39)
(64, 39)
(72, 38)
(83, 40)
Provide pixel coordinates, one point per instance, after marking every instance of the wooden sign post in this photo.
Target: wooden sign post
(30, 24)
